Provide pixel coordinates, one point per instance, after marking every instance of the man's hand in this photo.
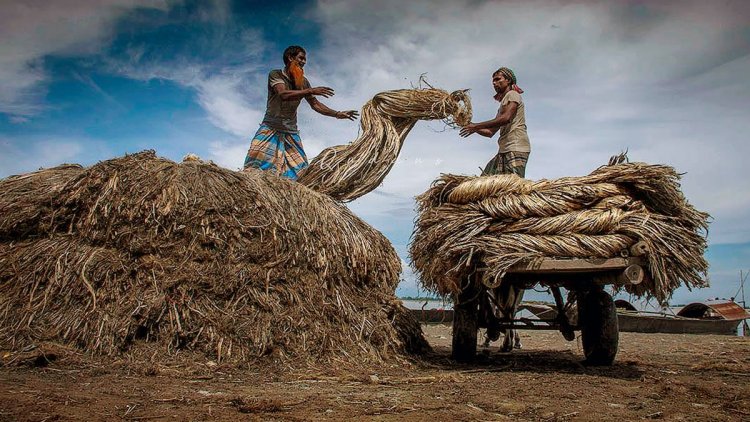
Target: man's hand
(322, 91)
(468, 130)
(348, 114)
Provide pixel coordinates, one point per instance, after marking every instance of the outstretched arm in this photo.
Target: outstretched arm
(490, 127)
(298, 94)
(326, 111)
(487, 133)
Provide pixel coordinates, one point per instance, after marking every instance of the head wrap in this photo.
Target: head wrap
(509, 75)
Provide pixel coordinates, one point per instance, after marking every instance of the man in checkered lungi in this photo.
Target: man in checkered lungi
(510, 121)
(511, 158)
(277, 145)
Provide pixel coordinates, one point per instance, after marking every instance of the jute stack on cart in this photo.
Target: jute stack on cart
(498, 221)
(142, 253)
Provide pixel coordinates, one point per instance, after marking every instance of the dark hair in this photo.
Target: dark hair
(292, 51)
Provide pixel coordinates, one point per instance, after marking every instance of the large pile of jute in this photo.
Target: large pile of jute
(141, 251)
(346, 172)
(497, 221)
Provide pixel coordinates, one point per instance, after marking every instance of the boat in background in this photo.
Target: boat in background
(711, 317)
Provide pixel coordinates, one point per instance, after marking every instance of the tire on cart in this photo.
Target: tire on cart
(597, 317)
(465, 325)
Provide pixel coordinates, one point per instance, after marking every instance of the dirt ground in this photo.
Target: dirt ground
(656, 376)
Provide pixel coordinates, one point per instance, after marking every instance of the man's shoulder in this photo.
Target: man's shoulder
(512, 96)
(276, 77)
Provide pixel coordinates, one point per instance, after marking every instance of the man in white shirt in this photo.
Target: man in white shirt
(510, 121)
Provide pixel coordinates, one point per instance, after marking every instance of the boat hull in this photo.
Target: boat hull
(660, 324)
(626, 322)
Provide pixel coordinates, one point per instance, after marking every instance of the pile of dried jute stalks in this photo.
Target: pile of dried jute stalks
(140, 251)
(501, 220)
(346, 172)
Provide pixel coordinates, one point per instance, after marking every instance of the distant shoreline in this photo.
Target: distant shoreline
(448, 301)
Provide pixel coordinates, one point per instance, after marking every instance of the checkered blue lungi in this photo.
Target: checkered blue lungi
(277, 151)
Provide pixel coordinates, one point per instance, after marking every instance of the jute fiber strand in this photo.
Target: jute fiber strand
(346, 172)
(141, 253)
(494, 222)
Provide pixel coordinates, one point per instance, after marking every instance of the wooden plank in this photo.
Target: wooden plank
(548, 265)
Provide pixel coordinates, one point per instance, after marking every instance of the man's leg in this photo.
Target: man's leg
(493, 167)
(294, 158)
(514, 162)
(507, 163)
(263, 150)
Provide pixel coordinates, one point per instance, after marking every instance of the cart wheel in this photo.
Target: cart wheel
(597, 317)
(465, 325)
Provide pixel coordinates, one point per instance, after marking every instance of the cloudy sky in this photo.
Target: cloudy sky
(82, 81)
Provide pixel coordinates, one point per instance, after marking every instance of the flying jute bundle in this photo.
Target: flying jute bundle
(346, 172)
(143, 254)
(497, 221)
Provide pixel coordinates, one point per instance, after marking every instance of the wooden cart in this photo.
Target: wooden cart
(595, 317)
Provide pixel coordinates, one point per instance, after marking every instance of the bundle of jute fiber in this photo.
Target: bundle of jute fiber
(346, 172)
(141, 253)
(495, 222)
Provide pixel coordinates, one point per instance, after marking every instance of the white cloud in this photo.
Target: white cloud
(669, 85)
(225, 98)
(230, 98)
(233, 96)
(228, 154)
(36, 154)
(31, 30)
(668, 81)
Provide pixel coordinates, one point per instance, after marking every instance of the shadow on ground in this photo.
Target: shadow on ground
(532, 361)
